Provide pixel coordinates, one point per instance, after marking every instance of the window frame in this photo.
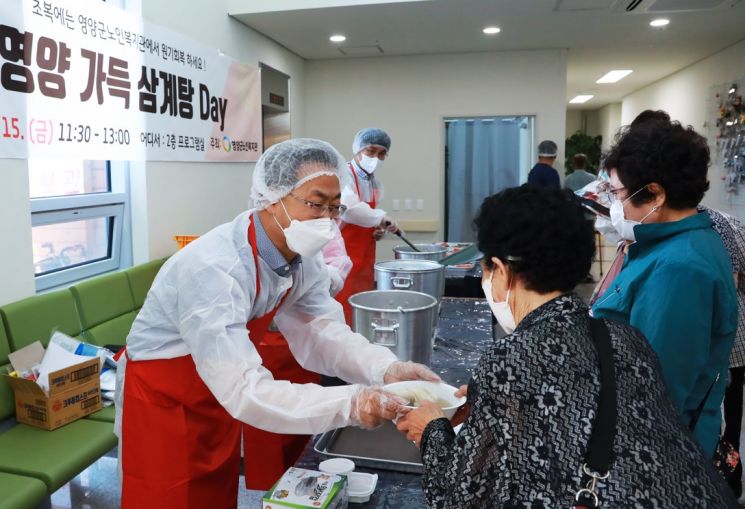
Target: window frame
(112, 204)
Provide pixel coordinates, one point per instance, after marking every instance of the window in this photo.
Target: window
(79, 218)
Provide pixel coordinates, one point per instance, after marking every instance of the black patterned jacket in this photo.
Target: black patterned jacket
(533, 398)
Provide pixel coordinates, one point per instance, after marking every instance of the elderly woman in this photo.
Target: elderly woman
(676, 283)
(534, 395)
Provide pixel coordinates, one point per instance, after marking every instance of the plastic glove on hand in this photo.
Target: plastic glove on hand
(389, 224)
(372, 405)
(400, 371)
(378, 234)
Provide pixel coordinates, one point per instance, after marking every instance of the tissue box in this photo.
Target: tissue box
(74, 392)
(300, 488)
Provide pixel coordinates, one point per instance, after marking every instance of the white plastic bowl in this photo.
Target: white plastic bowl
(338, 466)
(439, 390)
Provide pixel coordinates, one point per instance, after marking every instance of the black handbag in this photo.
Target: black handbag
(726, 457)
(599, 455)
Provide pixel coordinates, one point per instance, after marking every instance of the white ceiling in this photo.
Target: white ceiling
(597, 37)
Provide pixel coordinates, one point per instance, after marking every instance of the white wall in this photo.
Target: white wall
(609, 120)
(16, 262)
(410, 96)
(168, 198)
(574, 122)
(687, 96)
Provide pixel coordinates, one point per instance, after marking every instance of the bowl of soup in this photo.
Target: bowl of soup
(418, 391)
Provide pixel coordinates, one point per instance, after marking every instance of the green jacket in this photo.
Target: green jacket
(676, 287)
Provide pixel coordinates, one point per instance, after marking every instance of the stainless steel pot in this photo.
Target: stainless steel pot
(416, 275)
(426, 252)
(401, 320)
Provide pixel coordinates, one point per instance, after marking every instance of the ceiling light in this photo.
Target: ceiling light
(491, 30)
(659, 22)
(615, 75)
(337, 38)
(581, 99)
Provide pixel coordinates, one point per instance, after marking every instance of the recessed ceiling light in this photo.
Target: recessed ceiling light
(659, 22)
(582, 98)
(615, 75)
(337, 38)
(491, 30)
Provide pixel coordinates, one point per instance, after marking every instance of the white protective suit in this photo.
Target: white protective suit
(358, 211)
(199, 304)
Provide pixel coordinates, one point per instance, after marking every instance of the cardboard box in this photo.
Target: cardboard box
(74, 392)
(307, 489)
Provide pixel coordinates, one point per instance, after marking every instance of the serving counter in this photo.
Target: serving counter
(464, 332)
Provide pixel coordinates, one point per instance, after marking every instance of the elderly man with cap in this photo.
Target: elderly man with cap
(196, 367)
(543, 173)
(363, 223)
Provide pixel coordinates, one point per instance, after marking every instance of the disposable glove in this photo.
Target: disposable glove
(372, 405)
(400, 371)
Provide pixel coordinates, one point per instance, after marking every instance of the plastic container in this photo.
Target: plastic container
(183, 240)
(361, 486)
(338, 466)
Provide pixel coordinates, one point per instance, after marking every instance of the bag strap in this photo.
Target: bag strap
(599, 454)
(697, 413)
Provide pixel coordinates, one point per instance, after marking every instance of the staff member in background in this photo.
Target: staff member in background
(363, 223)
(543, 173)
(194, 374)
(580, 177)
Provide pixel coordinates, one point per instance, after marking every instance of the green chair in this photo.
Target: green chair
(54, 457)
(106, 308)
(141, 278)
(35, 318)
(7, 400)
(19, 492)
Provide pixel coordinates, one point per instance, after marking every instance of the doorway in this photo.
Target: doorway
(483, 155)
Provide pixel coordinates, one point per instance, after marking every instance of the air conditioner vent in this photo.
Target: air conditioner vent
(663, 6)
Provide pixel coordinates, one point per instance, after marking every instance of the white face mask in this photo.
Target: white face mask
(370, 164)
(307, 238)
(501, 310)
(625, 227)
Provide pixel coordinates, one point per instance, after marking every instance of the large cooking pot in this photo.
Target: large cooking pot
(401, 320)
(416, 275)
(433, 252)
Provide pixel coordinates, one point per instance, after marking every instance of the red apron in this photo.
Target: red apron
(360, 244)
(267, 455)
(180, 447)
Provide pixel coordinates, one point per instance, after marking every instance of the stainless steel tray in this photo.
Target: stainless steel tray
(383, 448)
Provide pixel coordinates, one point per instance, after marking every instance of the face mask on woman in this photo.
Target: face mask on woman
(625, 227)
(501, 310)
(307, 238)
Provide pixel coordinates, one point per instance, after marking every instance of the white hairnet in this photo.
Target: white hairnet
(547, 148)
(288, 165)
(371, 136)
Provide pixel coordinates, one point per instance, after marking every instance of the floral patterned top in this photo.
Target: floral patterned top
(533, 397)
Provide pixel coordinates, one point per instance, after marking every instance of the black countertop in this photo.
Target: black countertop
(464, 331)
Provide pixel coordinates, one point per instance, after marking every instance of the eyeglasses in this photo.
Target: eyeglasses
(613, 193)
(319, 209)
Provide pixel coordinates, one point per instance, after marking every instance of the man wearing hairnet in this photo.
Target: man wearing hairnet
(192, 374)
(362, 224)
(543, 174)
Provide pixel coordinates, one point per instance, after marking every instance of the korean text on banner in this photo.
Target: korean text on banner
(89, 78)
